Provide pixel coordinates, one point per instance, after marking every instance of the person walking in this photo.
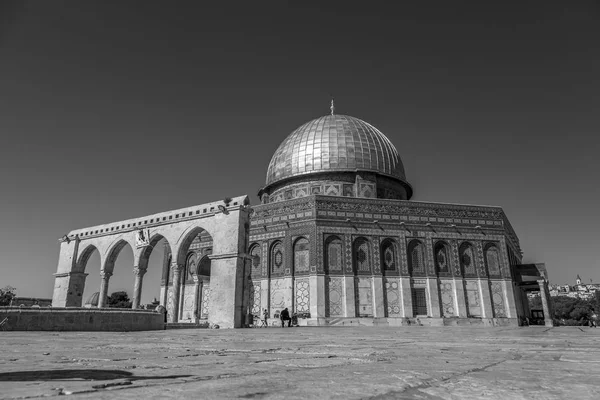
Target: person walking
(265, 320)
(285, 316)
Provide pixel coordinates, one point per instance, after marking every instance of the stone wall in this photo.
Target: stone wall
(80, 319)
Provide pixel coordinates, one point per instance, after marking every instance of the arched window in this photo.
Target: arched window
(301, 255)
(190, 265)
(204, 267)
(441, 259)
(333, 254)
(277, 258)
(388, 256)
(492, 259)
(362, 255)
(416, 257)
(255, 254)
(467, 259)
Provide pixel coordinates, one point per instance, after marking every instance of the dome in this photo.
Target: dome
(92, 301)
(335, 143)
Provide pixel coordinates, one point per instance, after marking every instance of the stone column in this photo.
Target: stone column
(105, 276)
(349, 296)
(511, 309)
(546, 305)
(137, 286)
(434, 297)
(486, 298)
(197, 298)
(406, 293)
(174, 317)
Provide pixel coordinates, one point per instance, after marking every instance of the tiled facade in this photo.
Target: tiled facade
(378, 258)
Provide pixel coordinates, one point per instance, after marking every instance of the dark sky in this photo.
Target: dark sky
(116, 109)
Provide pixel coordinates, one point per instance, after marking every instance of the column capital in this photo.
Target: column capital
(139, 271)
(196, 278)
(105, 274)
(177, 267)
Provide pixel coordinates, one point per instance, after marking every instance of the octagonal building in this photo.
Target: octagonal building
(337, 240)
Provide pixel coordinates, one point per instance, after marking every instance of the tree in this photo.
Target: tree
(119, 300)
(7, 293)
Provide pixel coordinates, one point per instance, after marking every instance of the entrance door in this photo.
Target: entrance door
(419, 300)
(365, 297)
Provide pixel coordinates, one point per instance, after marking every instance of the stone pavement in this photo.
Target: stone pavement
(306, 362)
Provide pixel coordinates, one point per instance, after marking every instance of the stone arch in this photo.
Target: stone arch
(362, 255)
(255, 252)
(144, 254)
(466, 257)
(84, 257)
(416, 257)
(333, 261)
(276, 258)
(441, 258)
(185, 240)
(113, 253)
(492, 259)
(389, 256)
(301, 251)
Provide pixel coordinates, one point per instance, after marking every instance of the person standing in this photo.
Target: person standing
(593, 318)
(285, 316)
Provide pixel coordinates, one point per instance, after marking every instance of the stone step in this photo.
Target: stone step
(185, 325)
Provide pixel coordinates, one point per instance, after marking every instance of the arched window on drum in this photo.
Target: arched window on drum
(277, 257)
(255, 256)
(389, 257)
(362, 256)
(492, 259)
(416, 257)
(441, 258)
(467, 259)
(333, 254)
(301, 255)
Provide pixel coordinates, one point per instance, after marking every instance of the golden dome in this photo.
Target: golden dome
(335, 143)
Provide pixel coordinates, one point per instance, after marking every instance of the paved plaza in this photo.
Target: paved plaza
(306, 362)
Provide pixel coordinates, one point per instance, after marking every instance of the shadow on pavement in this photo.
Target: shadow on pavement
(83, 374)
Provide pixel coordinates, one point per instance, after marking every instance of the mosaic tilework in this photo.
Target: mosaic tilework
(335, 297)
(472, 299)
(481, 270)
(334, 254)
(392, 297)
(362, 255)
(376, 259)
(467, 259)
(204, 309)
(170, 303)
(256, 260)
(301, 255)
(277, 294)
(277, 258)
(255, 298)
(492, 260)
(498, 299)
(447, 298)
(302, 297)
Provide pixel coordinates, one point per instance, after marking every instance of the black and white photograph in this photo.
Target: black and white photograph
(299, 200)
